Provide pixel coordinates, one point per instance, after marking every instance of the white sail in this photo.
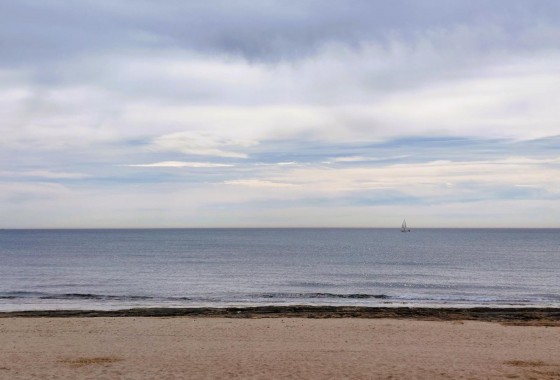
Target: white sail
(403, 227)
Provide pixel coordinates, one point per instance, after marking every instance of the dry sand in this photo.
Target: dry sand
(274, 348)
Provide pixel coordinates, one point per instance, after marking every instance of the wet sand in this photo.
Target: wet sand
(317, 345)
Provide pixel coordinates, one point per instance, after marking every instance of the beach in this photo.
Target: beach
(279, 304)
(294, 344)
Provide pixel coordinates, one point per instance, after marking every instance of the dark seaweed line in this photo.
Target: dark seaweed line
(514, 315)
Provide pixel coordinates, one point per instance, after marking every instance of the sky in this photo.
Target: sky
(307, 113)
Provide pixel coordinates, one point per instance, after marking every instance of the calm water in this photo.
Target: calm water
(106, 269)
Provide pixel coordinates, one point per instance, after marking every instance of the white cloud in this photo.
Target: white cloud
(44, 174)
(513, 101)
(181, 164)
(319, 99)
(202, 143)
(171, 100)
(259, 183)
(287, 163)
(54, 118)
(54, 175)
(427, 180)
(366, 158)
(32, 192)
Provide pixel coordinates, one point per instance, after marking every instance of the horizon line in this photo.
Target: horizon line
(270, 228)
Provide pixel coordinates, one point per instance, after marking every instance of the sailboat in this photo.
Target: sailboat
(404, 228)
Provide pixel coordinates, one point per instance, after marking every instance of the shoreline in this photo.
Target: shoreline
(518, 315)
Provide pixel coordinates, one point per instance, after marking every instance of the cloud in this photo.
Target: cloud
(202, 143)
(181, 164)
(216, 105)
(259, 183)
(366, 159)
(338, 107)
(30, 193)
(266, 31)
(44, 174)
(512, 101)
(287, 163)
(428, 180)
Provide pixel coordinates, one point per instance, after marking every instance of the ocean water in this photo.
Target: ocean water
(116, 269)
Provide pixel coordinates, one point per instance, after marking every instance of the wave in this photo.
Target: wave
(108, 297)
(85, 296)
(280, 297)
(19, 294)
(322, 295)
(89, 296)
(412, 299)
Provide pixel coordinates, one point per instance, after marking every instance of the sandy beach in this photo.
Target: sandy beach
(275, 348)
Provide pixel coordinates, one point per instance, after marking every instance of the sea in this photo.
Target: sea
(109, 269)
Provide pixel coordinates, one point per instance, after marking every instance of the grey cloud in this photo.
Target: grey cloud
(388, 45)
(267, 30)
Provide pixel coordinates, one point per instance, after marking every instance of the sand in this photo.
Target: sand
(274, 348)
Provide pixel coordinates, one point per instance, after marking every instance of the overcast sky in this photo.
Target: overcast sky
(246, 113)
